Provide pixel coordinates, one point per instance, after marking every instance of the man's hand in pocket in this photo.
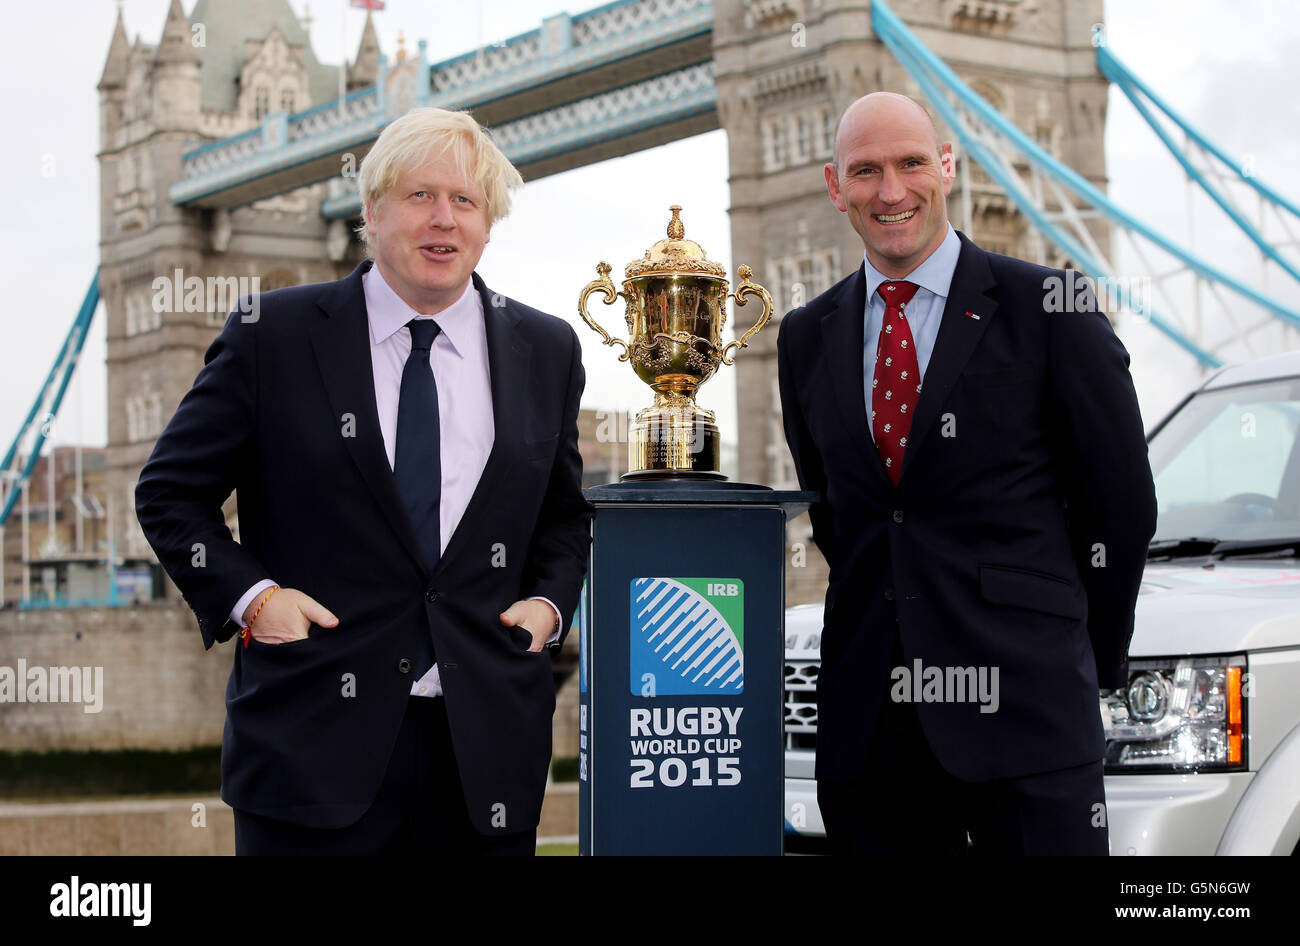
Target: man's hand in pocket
(287, 616)
(535, 617)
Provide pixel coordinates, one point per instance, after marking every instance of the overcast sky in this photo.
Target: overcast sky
(1230, 67)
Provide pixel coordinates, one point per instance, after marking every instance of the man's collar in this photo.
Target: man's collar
(388, 312)
(934, 273)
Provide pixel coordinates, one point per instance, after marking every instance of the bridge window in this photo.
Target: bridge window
(141, 314)
(803, 140)
(127, 173)
(771, 277)
(1043, 134)
(132, 420)
(286, 101)
(137, 418)
(132, 324)
(797, 137)
(774, 148)
(143, 416)
(781, 472)
(261, 104)
(796, 280)
(826, 125)
(826, 265)
(155, 414)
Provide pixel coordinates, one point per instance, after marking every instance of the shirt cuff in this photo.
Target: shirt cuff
(556, 636)
(237, 614)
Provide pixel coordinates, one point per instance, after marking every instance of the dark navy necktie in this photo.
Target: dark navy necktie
(417, 466)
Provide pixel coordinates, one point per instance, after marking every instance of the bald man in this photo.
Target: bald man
(986, 505)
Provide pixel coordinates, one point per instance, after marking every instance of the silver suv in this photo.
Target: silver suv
(1203, 745)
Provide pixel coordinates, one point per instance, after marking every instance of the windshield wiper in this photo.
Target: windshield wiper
(1247, 547)
(1197, 547)
(1191, 546)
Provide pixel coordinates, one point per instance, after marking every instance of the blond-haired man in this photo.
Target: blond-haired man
(403, 443)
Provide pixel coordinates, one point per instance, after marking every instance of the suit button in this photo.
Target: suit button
(403, 666)
(898, 515)
(889, 594)
(433, 594)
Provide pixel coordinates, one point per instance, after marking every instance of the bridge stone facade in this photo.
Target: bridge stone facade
(224, 159)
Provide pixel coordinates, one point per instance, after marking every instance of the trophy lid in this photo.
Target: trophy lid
(675, 255)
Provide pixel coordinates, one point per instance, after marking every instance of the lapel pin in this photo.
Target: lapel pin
(972, 315)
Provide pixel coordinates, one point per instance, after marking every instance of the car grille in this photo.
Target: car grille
(801, 704)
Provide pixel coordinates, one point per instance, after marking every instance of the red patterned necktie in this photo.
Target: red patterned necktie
(897, 382)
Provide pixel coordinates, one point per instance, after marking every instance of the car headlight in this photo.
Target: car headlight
(1177, 714)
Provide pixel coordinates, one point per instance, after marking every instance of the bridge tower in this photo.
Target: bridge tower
(210, 76)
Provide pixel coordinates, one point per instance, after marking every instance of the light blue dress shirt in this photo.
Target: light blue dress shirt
(924, 312)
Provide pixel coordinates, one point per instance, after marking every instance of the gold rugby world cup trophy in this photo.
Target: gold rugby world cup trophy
(676, 309)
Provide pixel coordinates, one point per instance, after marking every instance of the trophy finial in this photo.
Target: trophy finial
(675, 229)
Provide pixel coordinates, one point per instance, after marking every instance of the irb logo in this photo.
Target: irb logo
(728, 590)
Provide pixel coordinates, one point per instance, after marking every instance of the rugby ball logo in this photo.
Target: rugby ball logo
(687, 636)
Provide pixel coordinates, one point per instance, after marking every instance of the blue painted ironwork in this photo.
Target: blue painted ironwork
(1140, 94)
(46, 406)
(606, 34)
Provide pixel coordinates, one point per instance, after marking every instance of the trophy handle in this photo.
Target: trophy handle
(747, 288)
(605, 286)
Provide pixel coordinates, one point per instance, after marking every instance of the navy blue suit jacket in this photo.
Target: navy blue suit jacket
(1025, 468)
(283, 413)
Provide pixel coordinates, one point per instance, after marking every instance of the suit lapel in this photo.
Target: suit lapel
(842, 339)
(342, 347)
(510, 369)
(958, 336)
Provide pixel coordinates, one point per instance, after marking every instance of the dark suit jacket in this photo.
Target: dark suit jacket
(1026, 452)
(283, 412)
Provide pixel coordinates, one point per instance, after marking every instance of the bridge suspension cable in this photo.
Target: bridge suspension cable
(1219, 167)
(15, 470)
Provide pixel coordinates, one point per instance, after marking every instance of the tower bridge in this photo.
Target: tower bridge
(238, 158)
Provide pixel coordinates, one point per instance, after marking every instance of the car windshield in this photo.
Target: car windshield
(1226, 465)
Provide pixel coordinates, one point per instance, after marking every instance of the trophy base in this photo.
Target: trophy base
(697, 475)
(670, 443)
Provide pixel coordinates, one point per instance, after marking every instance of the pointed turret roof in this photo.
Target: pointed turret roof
(177, 43)
(229, 24)
(365, 70)
(119, 49)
